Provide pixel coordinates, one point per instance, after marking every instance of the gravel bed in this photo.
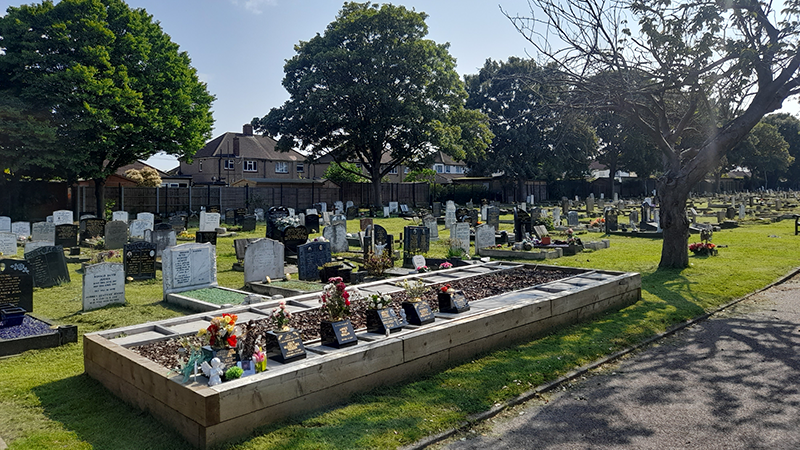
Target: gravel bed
(28, 327)
(307, 322)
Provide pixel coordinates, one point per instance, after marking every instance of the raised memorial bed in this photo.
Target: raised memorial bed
(34, 333)
(207, 416)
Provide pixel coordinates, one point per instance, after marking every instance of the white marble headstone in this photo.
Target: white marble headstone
(393, 207)
(460, 236)
(430, 222)
(21, 229)
(209, 221)
(8, 244)
(43, 231)
(189, 266)
(418, 261)
(122, 216)
(138, 228)
(5, 224)
(103, 284)
(263, 258)
(149, 218)
(62, 217)
(449, 215)
(484, 237)
(336, 233)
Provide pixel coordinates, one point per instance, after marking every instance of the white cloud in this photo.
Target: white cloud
(254, 6)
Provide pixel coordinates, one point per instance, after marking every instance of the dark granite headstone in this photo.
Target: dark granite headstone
(437, 209)
(463, 215)
(381, 320)
(290, 345)
(213, 209)
(338, 334)
(66, 235)
(230, 216)
(16, 284)
(201, 237)
(48, 266)
(238, 215)
(139, 259)
(178, 223)
(240, 245)
(418, 313)
(453, 303)
(292, 237)
(381, 238)
(310, 257)
(273, 214)
(351, 213)
(416, 240)
(312, 223)
(249, 223)
(92, 228)
(493, 217)
(522, 224)
(612, 220)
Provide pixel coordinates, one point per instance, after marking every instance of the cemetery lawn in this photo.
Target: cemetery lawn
(46, 401)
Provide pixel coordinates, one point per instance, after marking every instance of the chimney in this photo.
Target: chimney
(236, 146)
(247, 129)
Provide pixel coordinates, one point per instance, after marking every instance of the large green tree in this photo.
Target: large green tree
(534, 140)
(764, 152)
(373, 90)
(114, 85)
(683, 66)
(789, 127)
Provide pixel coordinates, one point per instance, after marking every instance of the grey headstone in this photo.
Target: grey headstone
(33, 245)
(418, 261)
(8, 243)
(493, 217)
(116, 234)
(103, 284)
(209, 221)
(49, 266)
(387, 211)
(460, 236)
(310, 257)
(556, 217)
(337, 235)
(572, 219)
(263, 258)
(62, 217)
(484, 237)
(43, 231)
(5, 224)
(189, 266)
(163, 239)
(449, 215)
(432, 225)
(21, 229)
(137, 228)
(249, 223)
(121, 216)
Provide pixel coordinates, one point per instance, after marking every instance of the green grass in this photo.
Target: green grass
(47, 402)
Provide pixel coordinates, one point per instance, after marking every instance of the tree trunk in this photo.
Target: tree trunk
(675, 225)
(377, 201)
(100, 197)
(612, 169)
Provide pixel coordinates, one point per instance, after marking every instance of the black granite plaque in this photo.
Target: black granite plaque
(238, 215)
(178, 223)
(249, 223)
(437, 209)
(462, 215)
(380, 320)
(337, 334)
(418, 313)
(16, 284)
(310, 257)
(139, 259)
(290, 345)
(312, 223)
(48, 266)
(162, 226)
(227, 356)
(66, 235)
(351, 213)
(230, 216)
(522, 224)
(201, 237)
(453, 303)
(292, 237)
(92, 228)
(416, 240)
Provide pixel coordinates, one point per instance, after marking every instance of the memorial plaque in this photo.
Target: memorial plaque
(338, 334)
(433, 227)
(121, 216)
(209, 221)
(62, 217)
(48, 266)
(137, 228)
(21, 229)
(66, 235)
(5, 224)
(92, 228)
(116, 234)
(294, 236)
(381, 320)
(312, 223)
(264, 258)
(8, 243)
(460, 236)
(43, 231)
(201, 237)
(16, 284)
(103, 285)
(290, 345)
(418, 313)
(249, 223)
(189, 266)
(310, 257)
(139, 259)
(453, 303)
(416, 240)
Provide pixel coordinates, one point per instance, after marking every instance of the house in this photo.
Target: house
(118, 178)
(232, 157)
(445, 166)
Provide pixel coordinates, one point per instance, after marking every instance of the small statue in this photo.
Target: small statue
(213, 371)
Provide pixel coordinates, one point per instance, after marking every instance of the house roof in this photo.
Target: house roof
(251, 146)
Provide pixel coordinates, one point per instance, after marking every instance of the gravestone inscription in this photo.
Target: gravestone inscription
(43, 231)
(493, 217)
(66, 235)
(310, 257)
(49, 266)
(249, 223)
(103, 284)
(139, 259)
(295, 236)
(16, 284)
(202, 237)
(63, 216)
(122, 216)
(21, 229)
(522, 224)
(92, 228)
(336, 234)
(416, 240)
(433, 226)
(484, 237)
(5, 224)
(163, 239)
(189, 266)
(137, 228)
(460, 237)
(263, 258)
(8, 243)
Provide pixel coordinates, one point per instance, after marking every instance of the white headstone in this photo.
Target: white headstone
(263, 258)
(741, 211)
(8, 244)
(323, 206)
(103, 284)
(336, 233)
(21, 229)
(326, 218)
(49, 219)
(338, 207)
(349, 204)
(311, 212)
(122, 216)
(209, 221)
(43, 231)
(393, 207)
(418, 261)
(162, 239)
(616, 197)
(460, 236)
(449, 215)
(137, 228)
(5, 224)
(430, 222)
(62, 217)
(147, 217)
(291, 212)
(386, 211)
(557, 217)
(189, 266)
(484, 213)
(484, 237)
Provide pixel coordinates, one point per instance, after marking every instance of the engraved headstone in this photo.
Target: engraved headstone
(336, 234)
(137, 228)
(273, 215)
(522, 224)
(230, 216)
(238, 215)
(16, 284)
(121, 216)
(8, 243)
(62, 217)
(449, 215)
(493, 217)
(92, 228)
(386, 211)
(590, 205)
(202, 237)
(433, 226)
(326, 218)
(310, 257)
(460, 237)
(163, 239)
(103, 284)
(240, 246)
(147, 217)
(21, 229)
(352, 212)
(572, 218)
(43, 231)
(5, 224)
(484, 237)
(209, 221)
(189, 266)
(139, 259)
(416, 240)
(49, 266)
(116, 234)
(178, 223)
(66, 235)
(263, 258)
(741, 211)
(418, 261)
(612, 220)
(290, 346)
(249, 223)
(294, 236)
(437, 209)
(312, 223)
(556, 217)
(33, 245)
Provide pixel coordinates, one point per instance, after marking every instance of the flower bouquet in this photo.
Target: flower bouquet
(703, 249)
(222, 332)
(338, 331)
(414, 289)
(281, 317)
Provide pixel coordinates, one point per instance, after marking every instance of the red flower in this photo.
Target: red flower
(445, 288)
(232, 341)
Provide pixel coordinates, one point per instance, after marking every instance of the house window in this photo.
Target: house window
(201, 166)
(459, 169)
(393, 170)
(251, 166)
(447, 168)
(300, 168)
(439, 168)
(228, 164)
(281, 167)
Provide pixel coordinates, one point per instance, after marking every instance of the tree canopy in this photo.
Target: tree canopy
(533, 139)
(109, 80)
(716, 67)
(789, 128)
(371, 89)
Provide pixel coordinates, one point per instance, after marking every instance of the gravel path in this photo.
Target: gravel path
(731, 382)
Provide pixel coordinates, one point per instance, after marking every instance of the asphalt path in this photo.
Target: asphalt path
(729, 382)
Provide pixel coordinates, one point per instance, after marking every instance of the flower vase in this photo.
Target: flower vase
(337, 334)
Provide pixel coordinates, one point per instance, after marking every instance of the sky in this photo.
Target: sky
(239, 47)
